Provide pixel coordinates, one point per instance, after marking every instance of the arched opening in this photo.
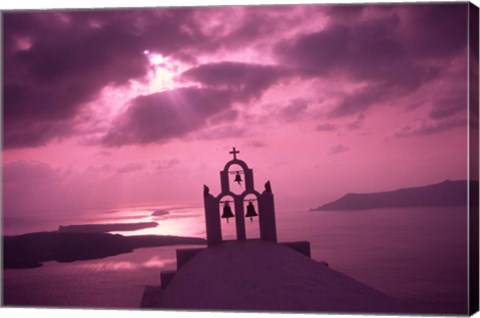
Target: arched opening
(227, 218)
(236, 179)
(252, 225)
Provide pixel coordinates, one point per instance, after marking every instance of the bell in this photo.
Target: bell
(250, 211)
(238, 178)
(227, 212)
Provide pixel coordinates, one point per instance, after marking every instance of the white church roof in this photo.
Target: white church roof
(256, 275)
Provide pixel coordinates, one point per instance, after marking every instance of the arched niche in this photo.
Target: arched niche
(228, 225)
(252, 224)
(236, 171)
(246, 172)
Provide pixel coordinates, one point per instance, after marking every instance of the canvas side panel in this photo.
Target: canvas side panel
(473, 158)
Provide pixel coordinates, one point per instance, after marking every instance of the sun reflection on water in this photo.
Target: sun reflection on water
(154, 262)
(178, 222)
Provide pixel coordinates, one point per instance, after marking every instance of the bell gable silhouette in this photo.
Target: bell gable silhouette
(266, 209)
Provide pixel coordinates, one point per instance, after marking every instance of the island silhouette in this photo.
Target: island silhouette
(32, 249)
(446, 193)
(110, 227)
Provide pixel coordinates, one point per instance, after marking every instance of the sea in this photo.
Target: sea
(416, 255)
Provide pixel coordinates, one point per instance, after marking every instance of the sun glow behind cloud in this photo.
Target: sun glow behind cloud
(163, 71)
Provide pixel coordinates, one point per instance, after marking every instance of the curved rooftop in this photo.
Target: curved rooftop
(256, 275)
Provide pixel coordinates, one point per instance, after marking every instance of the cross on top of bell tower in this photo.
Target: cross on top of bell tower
(234, 153)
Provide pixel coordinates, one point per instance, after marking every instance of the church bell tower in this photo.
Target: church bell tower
(266, 209)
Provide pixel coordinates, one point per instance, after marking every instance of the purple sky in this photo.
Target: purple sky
(104, 109)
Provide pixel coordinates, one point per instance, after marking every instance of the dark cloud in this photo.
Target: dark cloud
(160, 165)
(425, 128)
(256, 144)
(171, 114)
(345, 12)
(161, 116)
(34, 133)
(104, 153)
(244, 80)
(294, 109)
(106, 169)
(56, 61)
(358, 123)
(376, 51)
(315, 53)
(338, 149)
(362, 99)
(130, 167)
(448, 107)
(222, 132)
(225, 116)
(237, 27)
(348, 13)
(327, 127)
(365, 50)
(256, 22)
(436, 31)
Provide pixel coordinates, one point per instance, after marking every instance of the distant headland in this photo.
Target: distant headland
(447, 193)
(112, 227)
(32, 249)
(160, 212)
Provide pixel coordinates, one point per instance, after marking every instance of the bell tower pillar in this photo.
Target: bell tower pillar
(212, 218)
(268, 230)
(240, 219)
